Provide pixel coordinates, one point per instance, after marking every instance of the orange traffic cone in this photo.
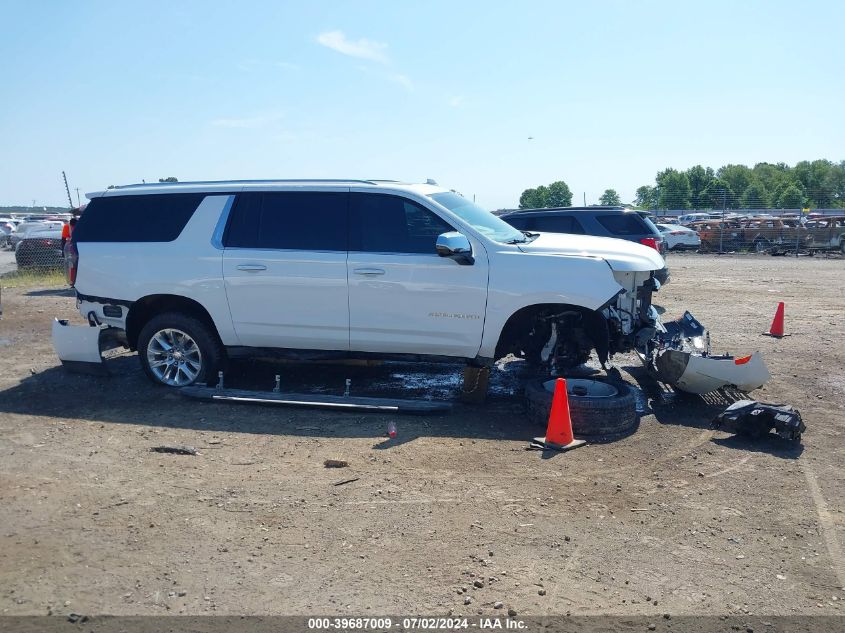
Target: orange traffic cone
(776, 329)
(559, 431)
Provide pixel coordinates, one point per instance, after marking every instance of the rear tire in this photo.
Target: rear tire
(177, 350)
(593, 418)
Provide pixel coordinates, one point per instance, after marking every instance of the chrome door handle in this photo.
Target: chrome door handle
(368, 271)
(252, 268)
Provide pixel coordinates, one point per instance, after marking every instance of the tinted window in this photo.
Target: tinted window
(624, 224)
(391, 224)
(142, 218)
(519, 223)
(306, 221)
(556, 224)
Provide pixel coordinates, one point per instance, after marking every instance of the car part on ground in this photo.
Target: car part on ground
(78, 347)
(757, 419)
(679, 355)
(317, 400)
(601, 410)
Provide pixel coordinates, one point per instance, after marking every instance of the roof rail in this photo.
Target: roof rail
(249, 182)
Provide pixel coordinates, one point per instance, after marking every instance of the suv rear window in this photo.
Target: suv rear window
(141, 218)
(292, 220)
(624, 224)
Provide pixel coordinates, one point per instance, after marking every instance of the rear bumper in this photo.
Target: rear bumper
(79, 347)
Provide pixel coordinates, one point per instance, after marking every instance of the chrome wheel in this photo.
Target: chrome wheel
(174, 357)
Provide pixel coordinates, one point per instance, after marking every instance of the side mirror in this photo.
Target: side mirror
(455, 246)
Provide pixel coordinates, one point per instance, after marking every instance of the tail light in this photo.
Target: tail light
(71, 262)
(653, 242)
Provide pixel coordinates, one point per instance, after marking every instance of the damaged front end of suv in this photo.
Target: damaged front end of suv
(676, 353)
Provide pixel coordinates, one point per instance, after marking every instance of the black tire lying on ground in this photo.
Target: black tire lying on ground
(593, 418)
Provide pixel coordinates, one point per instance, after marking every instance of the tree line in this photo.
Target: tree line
(818, 184)
(809, 184)
(558, 194)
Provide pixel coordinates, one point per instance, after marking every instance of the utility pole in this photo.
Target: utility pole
(78, 203)
(67, 189)
(585, 198)
(722, 224)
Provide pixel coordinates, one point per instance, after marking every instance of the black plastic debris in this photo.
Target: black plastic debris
(175, 450)
(756, 419)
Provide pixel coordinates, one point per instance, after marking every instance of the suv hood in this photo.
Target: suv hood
(622, 255)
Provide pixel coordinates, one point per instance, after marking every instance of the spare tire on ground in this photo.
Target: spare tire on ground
(600, 410)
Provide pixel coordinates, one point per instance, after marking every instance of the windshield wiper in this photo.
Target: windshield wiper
(529, 237)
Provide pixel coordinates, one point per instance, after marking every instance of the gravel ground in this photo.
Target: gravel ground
(7, 261)
(675, 518)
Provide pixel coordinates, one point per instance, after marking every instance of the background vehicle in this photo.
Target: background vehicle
(826, 233)
(766, 233)
(23, 229)
(678, 237)
(7, 225)
(318, 269)
(40, 249)
(616, 222)
(688, 218)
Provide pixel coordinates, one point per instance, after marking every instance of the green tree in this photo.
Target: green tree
(537, 198)
(791, 198)
(738, 177)
(717, 195)
(610, 198)
(774, 177)
(674, 189)
(542, 197)
(169, 179)
(646, 197)
(699, 177)
(755, 196)
(528, 199)
(559, 195)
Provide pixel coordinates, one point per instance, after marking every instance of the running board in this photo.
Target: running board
(317, 400)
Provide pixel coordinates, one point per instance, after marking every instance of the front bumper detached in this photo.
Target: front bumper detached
(679, 355)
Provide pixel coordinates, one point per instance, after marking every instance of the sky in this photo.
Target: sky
(488, 98)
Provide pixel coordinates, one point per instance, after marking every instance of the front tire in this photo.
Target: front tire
(177, 350)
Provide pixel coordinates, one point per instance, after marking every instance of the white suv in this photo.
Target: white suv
(194, 273)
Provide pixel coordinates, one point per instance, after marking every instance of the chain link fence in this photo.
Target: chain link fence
(34, 246)
(765, 231)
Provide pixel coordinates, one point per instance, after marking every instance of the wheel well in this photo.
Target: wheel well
(521, 323)
(148, 307)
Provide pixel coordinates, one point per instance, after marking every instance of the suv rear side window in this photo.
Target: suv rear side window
(292, 220)
(392, 224)
(624, 224)
(556, 224)
(141, 218)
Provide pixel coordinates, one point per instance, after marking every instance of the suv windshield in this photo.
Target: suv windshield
(479, 218)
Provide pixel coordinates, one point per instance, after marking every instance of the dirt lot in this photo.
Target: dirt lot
(673, 519)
